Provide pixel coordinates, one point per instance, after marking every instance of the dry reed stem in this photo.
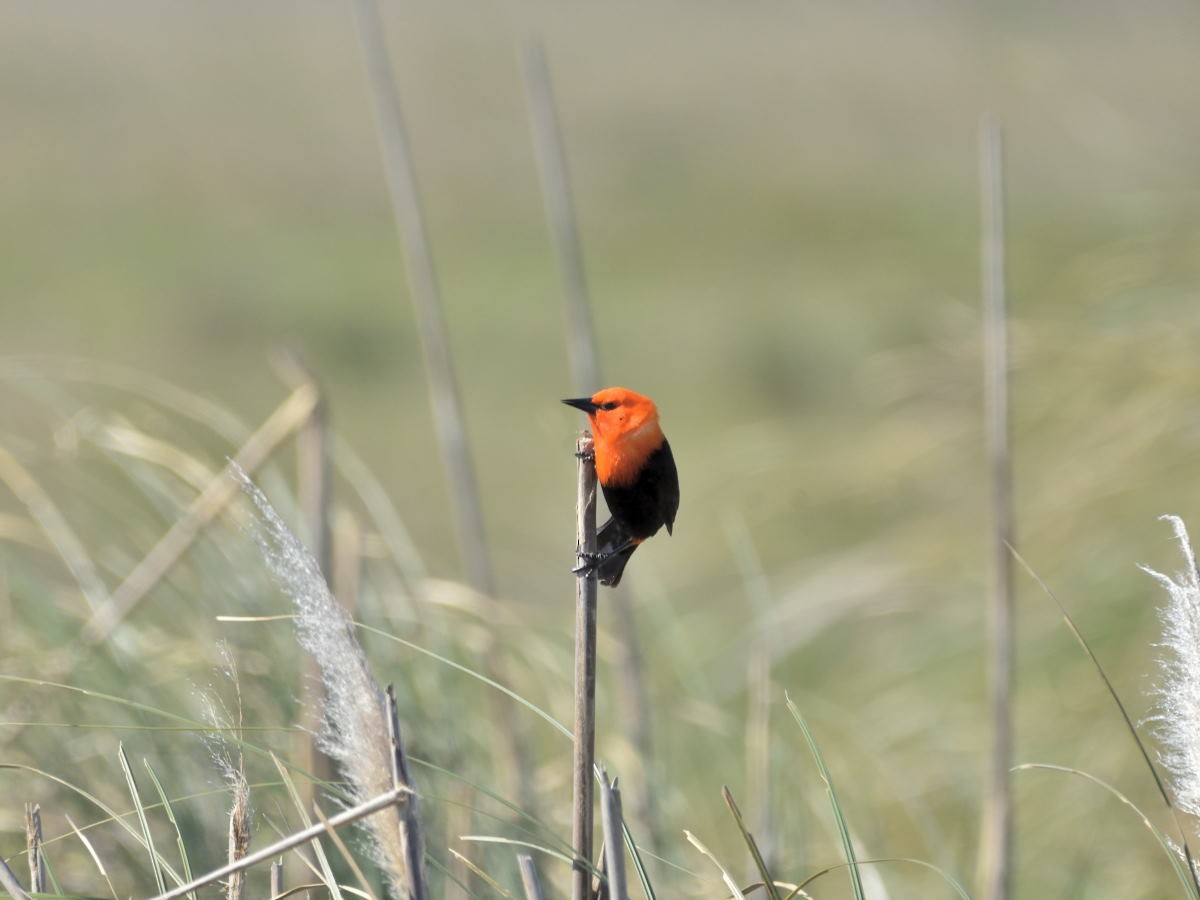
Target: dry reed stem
(560, 215)
(529, 877)
(995, 841)
(33, 845)
(585, 673)
(346, 817)
(286, 418)
(411, 837)
(612, 823)
(449, 420)
(276, 876)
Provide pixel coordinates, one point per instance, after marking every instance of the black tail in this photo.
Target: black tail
(614, 547)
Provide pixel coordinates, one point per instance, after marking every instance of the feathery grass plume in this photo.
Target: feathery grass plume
(230, 760)
(1177, 717)
(355, 733)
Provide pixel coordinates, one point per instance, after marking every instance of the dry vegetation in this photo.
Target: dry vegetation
(779, 219)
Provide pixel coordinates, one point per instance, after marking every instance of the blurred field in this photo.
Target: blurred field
(778, 209)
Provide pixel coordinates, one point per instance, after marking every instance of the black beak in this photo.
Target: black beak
(584, 404)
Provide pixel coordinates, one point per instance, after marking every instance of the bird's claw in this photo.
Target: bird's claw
(587, 455)
(589, 563)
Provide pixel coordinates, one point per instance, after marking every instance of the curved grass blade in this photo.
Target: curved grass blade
(843, 830)
(1168, 848)
(1194, 889)
(752, 846)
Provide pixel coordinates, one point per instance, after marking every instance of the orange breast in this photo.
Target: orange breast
(621, 457)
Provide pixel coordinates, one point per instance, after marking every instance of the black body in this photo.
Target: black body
(639, 509)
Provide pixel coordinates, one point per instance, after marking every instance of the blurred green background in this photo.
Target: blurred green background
(778, 208)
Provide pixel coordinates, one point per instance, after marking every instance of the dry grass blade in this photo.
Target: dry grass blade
(995, 841)
(725, 876)
(585, 673)
(346, 817)
(52, 523)
(91, 850)
(286, 418)
(276, 877)
(482, 875)
(345, 852)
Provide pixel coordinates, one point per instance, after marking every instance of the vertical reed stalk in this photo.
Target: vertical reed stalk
(585, 674)
(995, 842)
(443, 385)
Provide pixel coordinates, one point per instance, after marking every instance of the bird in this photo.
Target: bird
(637, 473)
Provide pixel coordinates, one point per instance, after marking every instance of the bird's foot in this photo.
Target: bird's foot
(589, 562)
(587, 455)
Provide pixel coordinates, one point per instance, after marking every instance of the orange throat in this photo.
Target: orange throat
(621, 457)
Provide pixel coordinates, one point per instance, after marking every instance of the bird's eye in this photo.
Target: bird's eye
(610, 405)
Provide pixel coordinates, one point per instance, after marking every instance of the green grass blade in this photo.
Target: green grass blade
(143, 822)
(843, 830)
(751, 845)
(185, 865)
(1181, 869)
(635, 854)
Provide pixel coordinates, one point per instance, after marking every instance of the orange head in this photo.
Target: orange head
(626, 431)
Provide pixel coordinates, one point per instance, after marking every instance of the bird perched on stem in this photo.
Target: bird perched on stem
(636, 472)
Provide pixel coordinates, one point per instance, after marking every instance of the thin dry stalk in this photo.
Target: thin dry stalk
(560, 215)
(995, 841)
(346, 817)
(585, 672)
(614, 846)
(286, 418)
(443, 385)
(33, 845)
(529, 877)
(276, 884)
(53, 524)
(410, 824)
(426, 295)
